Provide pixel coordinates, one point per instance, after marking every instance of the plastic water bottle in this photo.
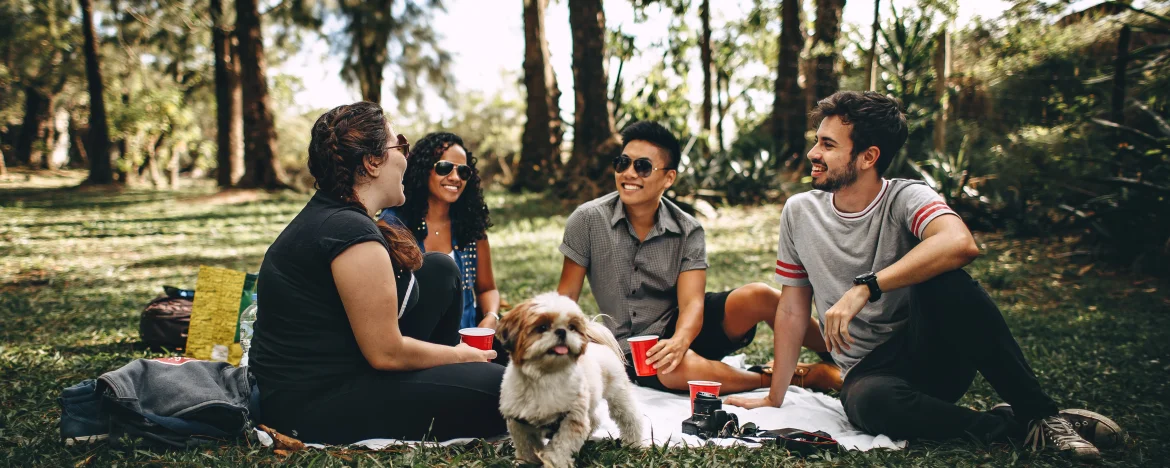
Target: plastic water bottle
(247, 319)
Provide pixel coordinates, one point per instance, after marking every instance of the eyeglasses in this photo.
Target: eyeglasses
(402, 143)
(442, 168)
(642, 166)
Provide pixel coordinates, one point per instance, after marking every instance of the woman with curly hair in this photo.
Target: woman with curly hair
(445, 210)
(357, 333)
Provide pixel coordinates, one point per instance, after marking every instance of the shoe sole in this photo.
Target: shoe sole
(71, 441)
(1115, 435)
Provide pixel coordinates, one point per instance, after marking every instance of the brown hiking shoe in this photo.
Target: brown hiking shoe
(1058, 433)
(820, 376)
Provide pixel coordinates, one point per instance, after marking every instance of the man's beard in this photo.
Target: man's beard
(834, 182)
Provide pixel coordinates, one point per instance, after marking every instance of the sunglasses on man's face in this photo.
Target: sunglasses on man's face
(402, 143)
(642, 166)
(442, 168)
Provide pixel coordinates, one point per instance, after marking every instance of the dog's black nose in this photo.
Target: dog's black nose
(560, 333)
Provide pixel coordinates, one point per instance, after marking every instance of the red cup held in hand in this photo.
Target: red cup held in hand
(480, 338)
(702, 386)
(639, 345)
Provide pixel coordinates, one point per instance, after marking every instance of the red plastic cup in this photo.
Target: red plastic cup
(480, 338)
(639, 345)
(702, 386)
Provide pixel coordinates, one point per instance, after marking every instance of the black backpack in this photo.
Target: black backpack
(165, 320)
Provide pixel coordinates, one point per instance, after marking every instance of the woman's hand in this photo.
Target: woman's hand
(489, 321)
(470, 354)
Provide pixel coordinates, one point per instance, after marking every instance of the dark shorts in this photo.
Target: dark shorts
(712, 342)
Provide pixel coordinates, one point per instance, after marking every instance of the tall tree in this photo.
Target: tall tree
(825, 52)
(789, 118)
(942, 75)
(705, 60)
(871, 62)
(371, 27)
(261, 166)
(229, 120)
(595, 142)
(40, 55)
(541, 151)
(100, 168)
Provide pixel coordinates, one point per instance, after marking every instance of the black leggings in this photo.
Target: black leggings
(908, 386)
(441, 403)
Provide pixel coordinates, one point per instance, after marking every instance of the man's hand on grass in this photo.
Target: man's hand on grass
(753, 403)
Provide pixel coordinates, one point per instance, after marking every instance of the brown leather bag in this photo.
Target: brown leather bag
(164, 321)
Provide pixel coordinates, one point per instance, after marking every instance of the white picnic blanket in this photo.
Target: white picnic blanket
(664, 413)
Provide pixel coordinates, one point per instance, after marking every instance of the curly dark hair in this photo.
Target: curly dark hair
(469, 215)
(876, 119)
(343, 139)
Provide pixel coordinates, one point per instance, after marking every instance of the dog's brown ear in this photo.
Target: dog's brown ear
(510, 324)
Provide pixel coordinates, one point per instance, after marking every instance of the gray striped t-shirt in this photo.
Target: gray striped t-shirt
(825, 248)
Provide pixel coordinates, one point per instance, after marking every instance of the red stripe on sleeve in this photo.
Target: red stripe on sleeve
(789, 266)
(918, 224)
(791, 275)
(918, 214)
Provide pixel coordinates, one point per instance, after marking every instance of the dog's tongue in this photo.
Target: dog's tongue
(562, 349)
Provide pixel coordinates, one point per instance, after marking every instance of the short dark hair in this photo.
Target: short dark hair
(876, 120)
(657, 135)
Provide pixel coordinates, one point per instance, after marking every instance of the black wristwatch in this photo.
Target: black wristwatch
(870, 281)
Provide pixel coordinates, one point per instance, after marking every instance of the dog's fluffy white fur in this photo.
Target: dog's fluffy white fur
(562, 365)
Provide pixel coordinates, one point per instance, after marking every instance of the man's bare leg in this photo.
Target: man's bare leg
(695, 367)
(746, 307)
(749, 305)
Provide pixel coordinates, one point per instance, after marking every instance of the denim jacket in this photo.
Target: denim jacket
(466, 257)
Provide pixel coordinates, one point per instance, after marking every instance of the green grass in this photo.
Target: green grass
(77, 265)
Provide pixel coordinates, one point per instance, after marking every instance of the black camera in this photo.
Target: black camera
(709, 420)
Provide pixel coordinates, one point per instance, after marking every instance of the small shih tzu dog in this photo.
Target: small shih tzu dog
(562, 365)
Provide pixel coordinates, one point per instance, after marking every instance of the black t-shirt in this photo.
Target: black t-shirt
(303, 339)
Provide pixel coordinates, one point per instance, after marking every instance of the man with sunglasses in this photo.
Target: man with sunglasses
(646, 261)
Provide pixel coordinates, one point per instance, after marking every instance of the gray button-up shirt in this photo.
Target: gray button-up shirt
(635, 283)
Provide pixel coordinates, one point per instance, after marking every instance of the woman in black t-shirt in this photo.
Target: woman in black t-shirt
(357, 337)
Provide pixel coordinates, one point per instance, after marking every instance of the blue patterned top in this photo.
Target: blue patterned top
(466, 258)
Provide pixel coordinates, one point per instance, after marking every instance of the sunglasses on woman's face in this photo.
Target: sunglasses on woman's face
(442, 168)
(642, 166)
(402, 143)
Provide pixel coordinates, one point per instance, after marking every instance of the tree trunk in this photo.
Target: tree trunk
(58, 154)
(32, 129)
(826, 55)
(100, 169)
(540, 154)
(871, 62)
(595, 142)
(1117, 111)
(229, 121)
(3, 167)
(369, 29)
(721, 106)
(261, 167)
(705, 59)
(789, 116)
(175, 152)
(942, 74)
(78, 153)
